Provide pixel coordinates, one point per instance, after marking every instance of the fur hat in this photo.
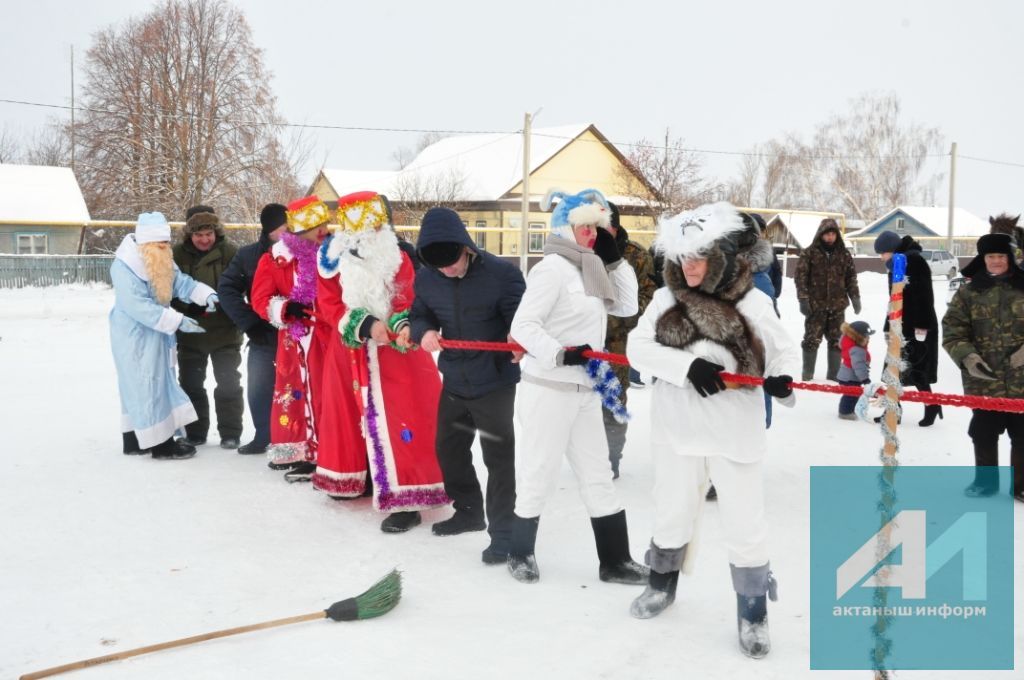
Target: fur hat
(307, 213)
(152, 227)
(198, 209)
(201, 221)
(586, 207)
(613, 218)
(695, 233)
(887, 242)
(273, 216)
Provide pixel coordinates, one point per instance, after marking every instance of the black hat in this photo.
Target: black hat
(887, 242)
(198, 209)
(614, 220)
(441, 254)
(272, 216)
(995, 243)
(862, 327)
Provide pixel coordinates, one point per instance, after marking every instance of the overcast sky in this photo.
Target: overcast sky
(723, 75)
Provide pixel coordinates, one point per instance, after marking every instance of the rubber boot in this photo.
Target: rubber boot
(616, 564)
(835, 358)
(986, 474)
(522, 563)
(810, 359)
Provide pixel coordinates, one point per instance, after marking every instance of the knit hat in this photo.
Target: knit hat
(587, 207)
(201, 221)
(307, 213)
(887, 242)
(273, 216)
(362, 210)
(152, 227)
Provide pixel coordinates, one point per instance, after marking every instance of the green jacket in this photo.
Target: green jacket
(986, 316)
(826, 278)
(619, 327)
(207, 268)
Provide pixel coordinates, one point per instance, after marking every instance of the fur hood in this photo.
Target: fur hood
(850, 332)
(759, 255)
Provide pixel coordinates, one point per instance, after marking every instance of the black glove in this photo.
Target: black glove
(573, 356)
(805, 307)
(704, 376)
(262, 333)
(606, 248)
(296, 310)
(194, 311)
(779, 386)
(855, 301)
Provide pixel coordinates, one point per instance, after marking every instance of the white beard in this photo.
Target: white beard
(367, 280)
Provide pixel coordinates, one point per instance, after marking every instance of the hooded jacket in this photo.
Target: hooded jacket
(207, 267)
(478, 306)
(826, 277)
(918, 313)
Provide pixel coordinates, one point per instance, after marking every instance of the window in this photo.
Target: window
(537, 240)
(32, 244)
(900, 224)
(480, 238)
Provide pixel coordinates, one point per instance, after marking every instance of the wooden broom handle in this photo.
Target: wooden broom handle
(96, 661)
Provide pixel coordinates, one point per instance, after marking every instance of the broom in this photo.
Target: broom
(378, 600)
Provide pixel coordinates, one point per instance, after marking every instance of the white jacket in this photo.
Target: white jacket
(729, 423)
(555, 313)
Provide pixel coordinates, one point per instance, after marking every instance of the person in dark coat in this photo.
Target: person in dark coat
(235, 291)
(464, 293)
(920, 324)
(204, 254)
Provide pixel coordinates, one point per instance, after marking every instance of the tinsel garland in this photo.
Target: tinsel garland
(395, 324)
(609, 387)
(350, 331)
(328, 264)
(304, 290)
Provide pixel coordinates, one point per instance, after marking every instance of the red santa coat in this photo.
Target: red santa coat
(380, 407)
(295, 410)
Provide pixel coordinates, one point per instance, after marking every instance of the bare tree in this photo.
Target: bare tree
(179, 111)
(416, 191)
(10, 147)
(50, 146)
(667, 178)
(404, 155)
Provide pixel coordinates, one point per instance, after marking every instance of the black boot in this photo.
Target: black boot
(130, 444)
(986, 474)
(461, 522)
(931, 411)
(1017, 461)
(752, 624)
(834, 358)
(612, 538)
(657, 596)
(399, 522)
(173, 450)
(303, 472)
(810, 358)
(522, 563)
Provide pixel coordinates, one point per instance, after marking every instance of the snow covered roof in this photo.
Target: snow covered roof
(936, 219)
(37, 193)
(802, 226)
(489, 166)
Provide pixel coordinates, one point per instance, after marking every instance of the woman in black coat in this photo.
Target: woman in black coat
(920, 324)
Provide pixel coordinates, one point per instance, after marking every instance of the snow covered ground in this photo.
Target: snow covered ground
(104, 552)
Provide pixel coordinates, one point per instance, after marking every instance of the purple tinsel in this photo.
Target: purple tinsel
(304, 290)
(387, 500)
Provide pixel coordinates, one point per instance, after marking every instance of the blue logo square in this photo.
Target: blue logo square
(946, 560)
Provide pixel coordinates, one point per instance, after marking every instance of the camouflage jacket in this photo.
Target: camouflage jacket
(827, 279)
(986, 317)
(619, 327)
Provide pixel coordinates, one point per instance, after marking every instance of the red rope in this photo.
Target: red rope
(964, 400)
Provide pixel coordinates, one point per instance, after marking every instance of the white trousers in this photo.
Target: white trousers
(740, 487)
(557, 421)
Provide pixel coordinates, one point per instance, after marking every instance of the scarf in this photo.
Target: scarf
(595, 277)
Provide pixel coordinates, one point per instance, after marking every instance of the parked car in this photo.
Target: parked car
(954, 286)
(941, 263)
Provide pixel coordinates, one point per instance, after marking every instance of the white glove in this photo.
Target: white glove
(190, 325)
(211, 303)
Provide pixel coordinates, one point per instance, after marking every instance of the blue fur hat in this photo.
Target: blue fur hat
(586, 207)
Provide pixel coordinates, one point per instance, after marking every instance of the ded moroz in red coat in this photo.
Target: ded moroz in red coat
(295, 409)
(380, 403)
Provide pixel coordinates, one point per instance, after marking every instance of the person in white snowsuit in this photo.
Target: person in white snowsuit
(709, 318)
(142, 328)
(562, 314)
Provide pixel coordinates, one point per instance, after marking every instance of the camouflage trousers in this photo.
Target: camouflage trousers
(823, 322)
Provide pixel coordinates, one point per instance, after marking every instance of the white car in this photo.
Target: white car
(941, 263)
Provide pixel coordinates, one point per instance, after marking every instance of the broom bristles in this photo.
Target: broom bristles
(381, 597)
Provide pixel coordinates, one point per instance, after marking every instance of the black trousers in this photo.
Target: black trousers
(458, 422)
(227, 395)
(985, 429)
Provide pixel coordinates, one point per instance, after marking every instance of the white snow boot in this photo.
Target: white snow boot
(754, 586)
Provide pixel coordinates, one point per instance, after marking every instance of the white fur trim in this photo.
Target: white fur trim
(168, 322)
(275, 311)
(693, 232)
(201, 293)
(590, 213)
(289, 452)
(281, 249)
(165, 429)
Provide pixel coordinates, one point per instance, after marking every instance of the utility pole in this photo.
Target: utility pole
(72, 109)
(952, 194)
(524, 227)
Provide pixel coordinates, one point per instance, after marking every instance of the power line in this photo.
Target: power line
(989, 160)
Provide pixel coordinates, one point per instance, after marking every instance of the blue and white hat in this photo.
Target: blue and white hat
(152, 227)
(587, 207)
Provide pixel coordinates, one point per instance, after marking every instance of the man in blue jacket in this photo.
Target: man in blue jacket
(234, 290)
(464, 293)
